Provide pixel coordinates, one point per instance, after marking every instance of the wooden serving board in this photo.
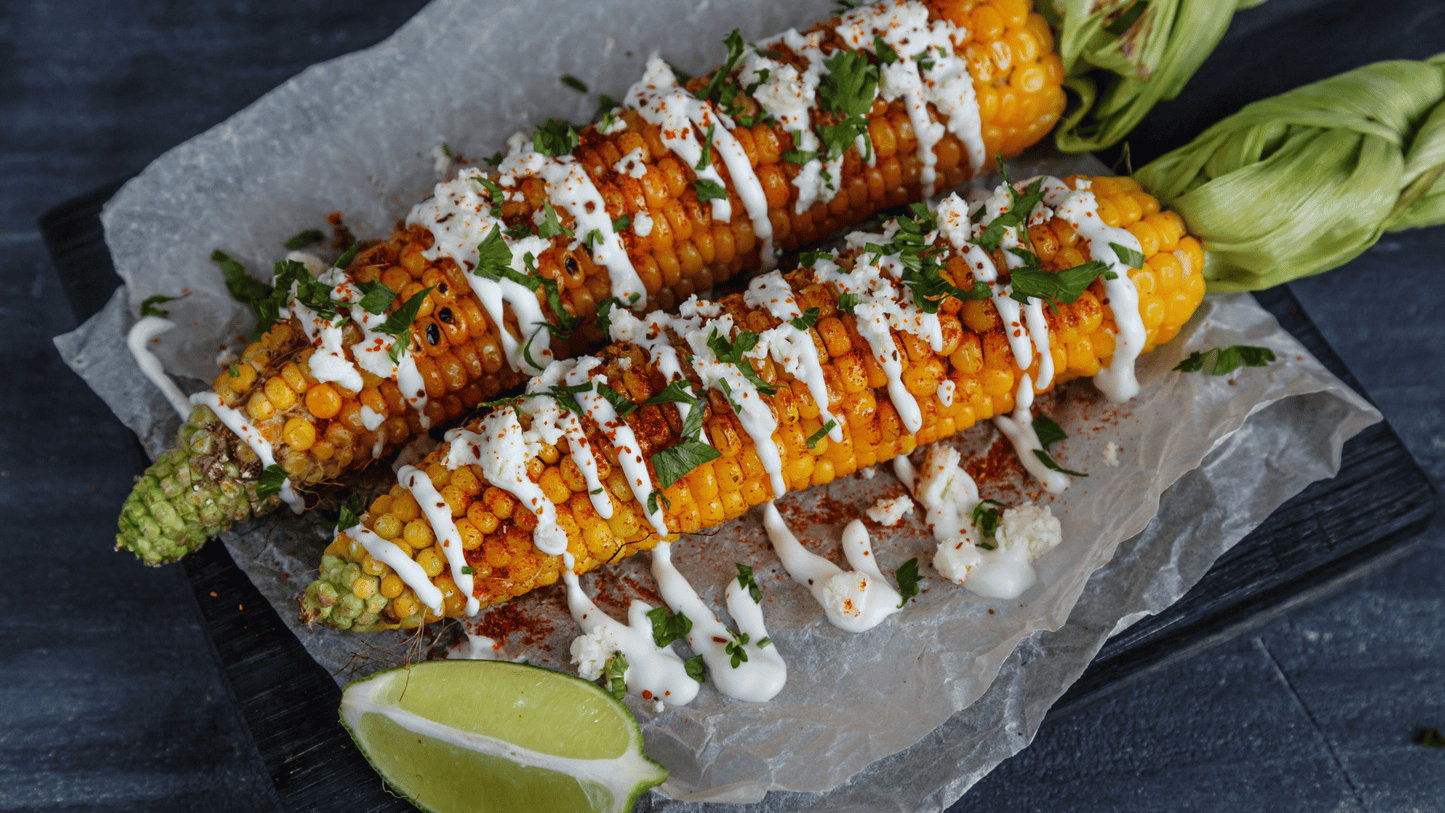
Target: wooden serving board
(1333, 531)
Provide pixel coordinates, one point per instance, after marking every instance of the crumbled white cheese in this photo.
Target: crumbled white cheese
(845, 593)
(945, 393)
(888, 511)
(590, 654)
(633, 164)
(954, 560)
(1111, 453)
(441, 161)
(869, 473)
(1029, 529)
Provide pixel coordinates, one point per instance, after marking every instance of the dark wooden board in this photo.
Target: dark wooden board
(1330, 532)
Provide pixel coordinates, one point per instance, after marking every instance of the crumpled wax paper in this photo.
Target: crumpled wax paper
(904, 717)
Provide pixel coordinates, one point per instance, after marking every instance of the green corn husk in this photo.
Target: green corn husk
(1305, 181)
(1140, 51)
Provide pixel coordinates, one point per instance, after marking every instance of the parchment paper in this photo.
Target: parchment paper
(880, 721)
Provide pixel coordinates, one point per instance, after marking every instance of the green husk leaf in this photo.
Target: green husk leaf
(1305, 181)
(1121, 57)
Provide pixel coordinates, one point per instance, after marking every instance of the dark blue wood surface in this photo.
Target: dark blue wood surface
(115, 697)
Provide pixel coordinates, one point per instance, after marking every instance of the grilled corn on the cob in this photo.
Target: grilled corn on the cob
(803, 379)
(682, 188)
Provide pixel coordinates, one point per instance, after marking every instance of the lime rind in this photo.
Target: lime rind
(369, 711)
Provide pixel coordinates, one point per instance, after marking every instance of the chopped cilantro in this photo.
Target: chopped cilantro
(573, 82)
(551, 225)
(748, 583)
(1049, 463)
(619, 402)
(1431, 737)
(709, 190)
(621, 223)
(821, 433)
(495, 158)
(468, 570)
(694, 667)
(807, 320)
(1048, 430)
(563, 395)
(706, 160)
(248, 290)
(678, 392)
(907, 576)
(604, 314)
(675, 462)
(1128, 256)
(985, 517)
(148, 307)
(668, 626)
(1063, 287)
(494, 256)
(273, 479)
(1227, 359)
(605, 105)
(847, 301)
(732, 353)
(736, 650)
(616, 669)
(652, 500)
(376, 297)
(1018, 213)
(347, 256)
(808, 259)
(399, 322)
(303, 239)
(554, 138)
(351, 512)
(734, 43)
(494, 192)
(885, 52)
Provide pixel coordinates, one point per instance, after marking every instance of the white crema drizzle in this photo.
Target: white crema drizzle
(757, 679)
(680, 116)
(854, 601)
(137, 340)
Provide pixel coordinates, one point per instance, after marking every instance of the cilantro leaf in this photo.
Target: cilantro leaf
(493, 255)
(619, 402)
(807, 320)
(1048, 430)
(573, 82)
(847, 301)
(907, 576)
(1064, 287)
(616, 668)
(694, 667)
(821, 433)
(706, 160)
(736, 650)
(273, 479)
(732, 353)
(605, 104)
(668, 626)
(495, 158)
(652, 501)
(1017, 214)
(347, 256)
(555, 137)
(1049, 463)
(850, 84)
(351, 512)
(675, 462)
(148, 307)
(709, 190)
(563, 395)
(985, 517)
(400, 320)
(678, 392)
(1431, 737)
(303, 239)
(376, 297)
(1227, 359)
(494, 193)
(551, 224)
(885, 52)
(748, 583)
(808, 259)
(734, 43)
(249, 291)
(1128, 256)
(621, 223)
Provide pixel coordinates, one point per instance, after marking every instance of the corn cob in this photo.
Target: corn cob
(467, 351)
(968, 373)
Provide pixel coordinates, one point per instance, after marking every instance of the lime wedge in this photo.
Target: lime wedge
(494, 736)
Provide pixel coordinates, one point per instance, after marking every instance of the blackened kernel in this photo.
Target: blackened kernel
(433, 334)
(445, 314)
(570, 264)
